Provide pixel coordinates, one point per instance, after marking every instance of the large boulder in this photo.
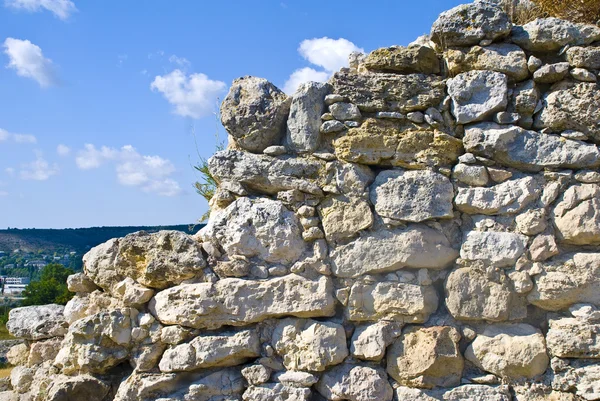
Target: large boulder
(405, 60)
(156, 260)
(566, 280)
(265, 174)
(551, 34)
(512, 351)
(386, 142)
(344, 217)
(254, 113)
(412, 196)
(528, 150)
(584, 57)
(416, 246)
(257, 227)
(356, 383)
(496, 249)
(577, 215)
(389, 92)
(426, 358)
(37, 322)
(503, 57)
(309, 345)
(237, 302)
(394, 301)
(469, 24)
(577, 336)
(304, 121)
(207, 351)
(476, 95)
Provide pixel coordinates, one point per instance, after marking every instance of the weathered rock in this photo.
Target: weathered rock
(472, 294)
(37, 322)
(304, 121)
(583, 75)
(132, 293)
(416, 246)
(238, 302)
(297, 379)
(584, 57)
(79, 282)
(426, 358)
(496, 249)
(476, 95)
(532, 222)
(404, 60)
(256, 374)
(258, 227)
(543, 247)
(508, 197)
(474, 392)
(265, 174)
(505, 58)
(581, 378)
(207, 351)
(476, 176)
(374, 92)
(254, 113)
(43, 351)
(524, 101)
(577, 215)
(355, 383)
(96, 343)
(567, 280)
(344, 218)
(575, 337)
(528, 150)
(399, 302)
(469, 24)
(510, 350)
(156, 260)
(369, 342)
(569, 106)
(379, 141)
(551, 34)
(276, 392)
(412, 196)
(18, 354)
(551, 73)
(309, 345)
(84, 305)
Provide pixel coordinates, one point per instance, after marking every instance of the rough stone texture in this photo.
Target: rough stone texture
(469, 24)
(417, 246)
(227, 349)
(389, 92)
(254, 112)
(303, 125)
(510, 350)
(551, 34)
(343, 218)
(37, 322)
(276, 392)
(577, 336)
(259, 227)
(577, 215)
(238, 302)
(477, 94)
(426, 358)
(369, 342)
(79, 282)
(156, 260)
(412, 196)
(309, 345)
(496, 249)
(528, 150)
(584, 57)
(405, 60)
(355, 383)
(505, 58)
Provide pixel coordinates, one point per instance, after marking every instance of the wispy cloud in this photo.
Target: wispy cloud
(28, 61)
(148, 173)
(60, 8)
(6, 136)
(63, 150)
(192, 95)
(180, 61)
(38, 170)
(328, 54)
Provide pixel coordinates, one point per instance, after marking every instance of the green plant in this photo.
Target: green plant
(51, 288)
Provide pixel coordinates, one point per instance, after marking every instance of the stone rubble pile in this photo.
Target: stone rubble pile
(425, 226)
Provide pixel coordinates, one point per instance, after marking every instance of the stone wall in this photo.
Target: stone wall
(424, 226)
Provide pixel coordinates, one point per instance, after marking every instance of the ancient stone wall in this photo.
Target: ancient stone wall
(424, 226)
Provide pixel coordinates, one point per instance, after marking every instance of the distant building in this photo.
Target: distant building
(15, 280)
(14, 285)
(37, 263)
(10, 266)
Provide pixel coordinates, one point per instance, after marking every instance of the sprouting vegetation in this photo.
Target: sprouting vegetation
(524, 11)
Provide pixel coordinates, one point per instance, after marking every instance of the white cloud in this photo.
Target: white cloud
(60, 8)
(328, 54)
(63, 150)
(149, 173)
(38, 170)
(180, 61)
(18, 138)
(192, 95)
(10, 171)
(28, 61)
(3, 193)
(302, 75)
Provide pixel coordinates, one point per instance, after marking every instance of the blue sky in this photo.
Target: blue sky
(103, 102)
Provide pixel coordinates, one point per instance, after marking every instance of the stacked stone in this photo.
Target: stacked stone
(424, 226)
